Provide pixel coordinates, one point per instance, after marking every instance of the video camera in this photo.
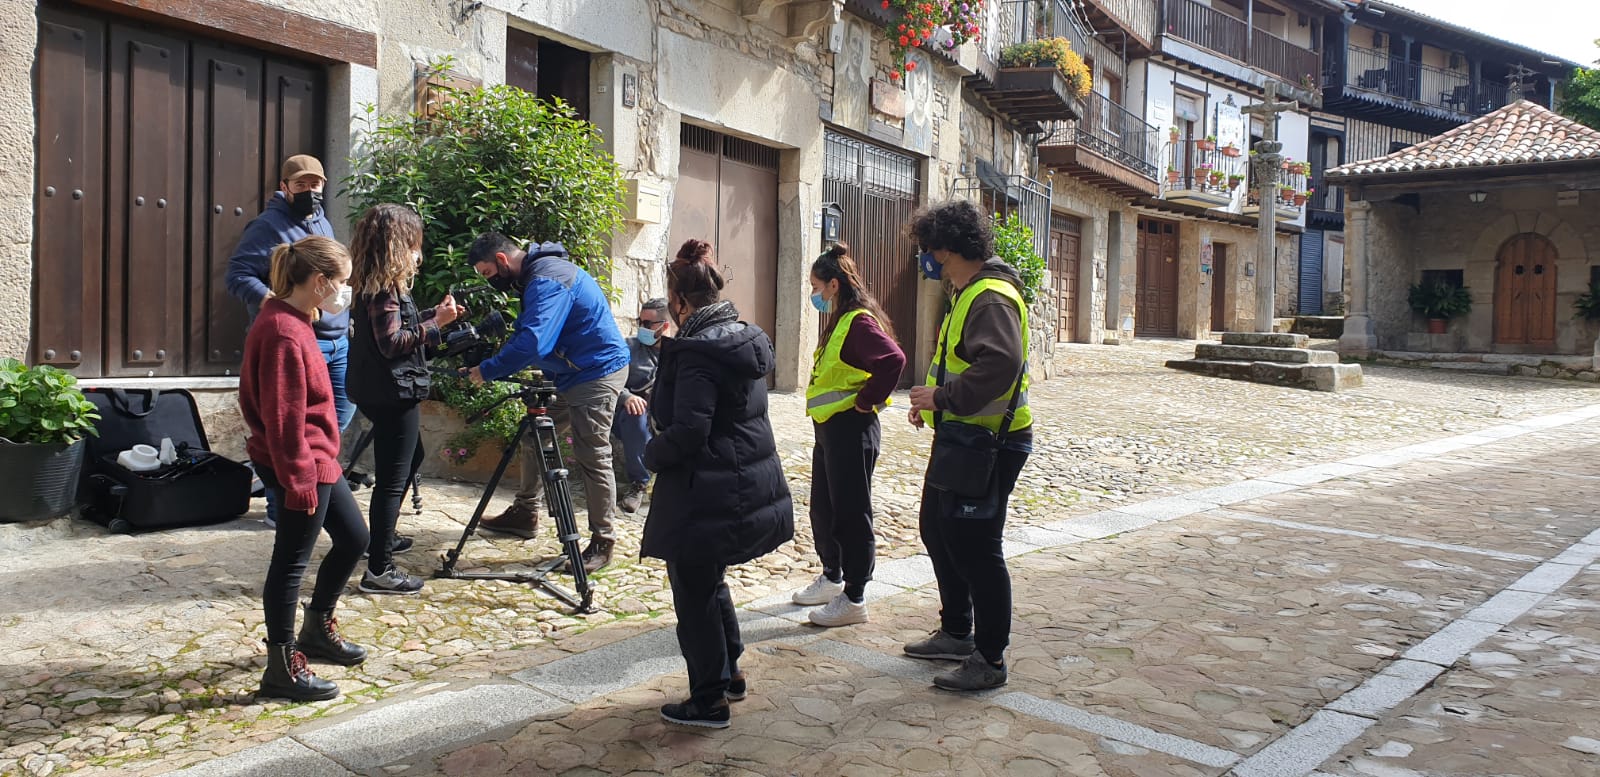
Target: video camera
(470, 341)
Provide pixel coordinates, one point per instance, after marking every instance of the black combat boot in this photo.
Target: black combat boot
(319, 638)
(288, 677)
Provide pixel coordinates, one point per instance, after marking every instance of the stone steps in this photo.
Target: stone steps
(1320, 327)
(1313, 377)
(1257, 353)
(1265, 339)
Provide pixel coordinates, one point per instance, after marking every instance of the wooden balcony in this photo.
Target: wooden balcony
(1109, 147)
(1030, 94)
(1230, 37)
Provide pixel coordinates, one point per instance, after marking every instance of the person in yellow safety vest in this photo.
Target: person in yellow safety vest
(983, 347)
(857, 367)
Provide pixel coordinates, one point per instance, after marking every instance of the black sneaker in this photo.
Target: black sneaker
(690, 714)
(737, 688)
(398, 543)
(392, 581)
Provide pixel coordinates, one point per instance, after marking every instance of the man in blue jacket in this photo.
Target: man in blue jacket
(293, 212)
(566, 331)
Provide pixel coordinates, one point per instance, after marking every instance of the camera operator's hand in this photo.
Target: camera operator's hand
(635, 405)
(476, 376)
(915, 417)
(447, 311)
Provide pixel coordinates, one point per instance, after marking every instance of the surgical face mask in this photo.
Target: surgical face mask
(647, 336)
(822, 305)
(305, 204)
(336, 301)
(931, 269)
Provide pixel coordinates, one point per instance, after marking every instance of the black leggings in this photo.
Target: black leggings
(708, 628)
(970, 564)
(297, 532)
(842, 463)
(396, 456)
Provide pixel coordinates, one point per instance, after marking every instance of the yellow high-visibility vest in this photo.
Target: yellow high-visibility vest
(955, 322)
(835, 384)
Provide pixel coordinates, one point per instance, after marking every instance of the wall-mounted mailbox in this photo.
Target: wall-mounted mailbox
(832, 223)
(641, 200)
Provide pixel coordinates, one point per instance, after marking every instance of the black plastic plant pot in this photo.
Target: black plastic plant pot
(40, 481)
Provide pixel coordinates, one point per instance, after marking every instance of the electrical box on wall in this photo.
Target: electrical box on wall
(641, 201)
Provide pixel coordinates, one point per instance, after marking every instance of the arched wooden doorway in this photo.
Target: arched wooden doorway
(1525, 292)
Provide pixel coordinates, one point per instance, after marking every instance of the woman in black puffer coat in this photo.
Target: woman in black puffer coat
(720, 497)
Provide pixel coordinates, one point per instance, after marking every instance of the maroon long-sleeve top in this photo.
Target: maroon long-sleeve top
(867, 348)
(287, 399)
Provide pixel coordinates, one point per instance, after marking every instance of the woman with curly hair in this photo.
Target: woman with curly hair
(720, 497)
(389, 374)
(976, 400)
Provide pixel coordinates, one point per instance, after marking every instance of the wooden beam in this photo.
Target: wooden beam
(257, 25)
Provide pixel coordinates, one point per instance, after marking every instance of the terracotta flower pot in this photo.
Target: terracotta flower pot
(1206, 145)
(1438, 326)
(1299, 200)
(1230, 151)
(1172, 176)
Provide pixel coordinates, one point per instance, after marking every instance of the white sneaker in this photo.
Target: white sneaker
(840, 612)
(821, 591)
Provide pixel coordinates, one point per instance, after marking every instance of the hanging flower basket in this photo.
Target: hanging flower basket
(920, 21)
(1230, 151)
(1209, 144)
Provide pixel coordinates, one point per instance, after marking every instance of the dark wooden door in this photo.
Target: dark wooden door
(70, 192)
(1065, 247)
(876, 188)
(727, 193)
(1219, 287)
(145, 247)
(1525, 292)
(1157, 311)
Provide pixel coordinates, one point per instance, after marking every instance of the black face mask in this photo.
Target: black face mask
(501, 282)
(305, 204)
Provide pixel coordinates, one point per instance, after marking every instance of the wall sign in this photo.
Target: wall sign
(630, 90)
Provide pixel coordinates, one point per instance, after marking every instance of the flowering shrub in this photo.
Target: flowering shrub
(1051, 51)
(921, 19)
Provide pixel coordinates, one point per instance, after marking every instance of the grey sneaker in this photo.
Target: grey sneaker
(941, 646)
(392, 581)
(632, 498)
(974, 674)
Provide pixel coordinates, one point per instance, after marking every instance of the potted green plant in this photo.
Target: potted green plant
(43, 420)
(1231, 151)
(1439, 302)
(1172, 174)
(1209, 144)
(1587, 305)
(1234, 179)
(1172, 134)
(1046, 53)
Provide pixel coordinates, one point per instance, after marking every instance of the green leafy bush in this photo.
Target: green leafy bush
(1439, 300)
(1587, 304)
(1013, 242)
(42, 405)
(490, 159)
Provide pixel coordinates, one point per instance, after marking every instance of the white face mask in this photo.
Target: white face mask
(336, 301)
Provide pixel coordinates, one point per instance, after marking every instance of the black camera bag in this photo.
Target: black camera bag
(202, 488)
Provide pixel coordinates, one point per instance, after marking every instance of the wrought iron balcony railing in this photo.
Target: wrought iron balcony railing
(1112, 132)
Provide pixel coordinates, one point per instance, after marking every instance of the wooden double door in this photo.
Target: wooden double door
(1066, 238)
(156, 148)
(1157, 311)
(1525, 292)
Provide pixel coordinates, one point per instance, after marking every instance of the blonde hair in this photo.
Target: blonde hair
(297, 262)
(381, 249)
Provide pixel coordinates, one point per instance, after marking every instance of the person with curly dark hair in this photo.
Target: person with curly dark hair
(720, 497)
(856, 368)
(976, 400)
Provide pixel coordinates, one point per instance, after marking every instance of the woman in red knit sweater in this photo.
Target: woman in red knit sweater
(288, 404)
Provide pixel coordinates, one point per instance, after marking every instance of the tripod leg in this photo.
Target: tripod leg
(416, 494)
(559, 494)
(454, 555)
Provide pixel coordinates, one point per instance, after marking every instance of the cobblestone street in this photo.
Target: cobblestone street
(1212, 577)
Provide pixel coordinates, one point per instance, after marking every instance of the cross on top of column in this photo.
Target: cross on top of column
(1268, 109)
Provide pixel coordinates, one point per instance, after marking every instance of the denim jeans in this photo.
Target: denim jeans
(634, 432)
(337, 354)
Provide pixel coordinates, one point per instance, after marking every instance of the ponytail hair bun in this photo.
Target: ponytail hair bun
(694, 274)
(695, 251)
(837, 251)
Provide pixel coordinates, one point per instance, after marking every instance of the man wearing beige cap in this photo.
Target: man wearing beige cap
(294, 212)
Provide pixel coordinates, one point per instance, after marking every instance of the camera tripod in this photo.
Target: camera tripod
(366, 480)
(536, 397)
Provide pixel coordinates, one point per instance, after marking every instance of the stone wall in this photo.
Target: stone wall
(19, 33)
(1196, 289)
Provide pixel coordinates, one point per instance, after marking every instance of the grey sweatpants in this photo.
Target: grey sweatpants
(583, 413)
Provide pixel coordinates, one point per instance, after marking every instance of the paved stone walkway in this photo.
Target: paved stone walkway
(1181, 645)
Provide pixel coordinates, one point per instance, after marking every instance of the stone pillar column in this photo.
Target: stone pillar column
(1357, 340)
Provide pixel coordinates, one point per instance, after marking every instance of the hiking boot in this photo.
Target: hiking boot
(820, 592)
(392, 581)
(690, 713)
(398, 543)
(517, 520)
(288, 677)
(974, 674)
(596, 556)
(737, 688)
(941, 646)
(632, 498)
(840, 611)
(319, 638)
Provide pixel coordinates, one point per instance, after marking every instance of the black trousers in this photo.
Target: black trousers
(396, 456)
(974, 584)
(708, 628)
(842, 463)
(297, 531)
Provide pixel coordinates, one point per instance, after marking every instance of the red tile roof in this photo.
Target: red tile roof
(1523, 133)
